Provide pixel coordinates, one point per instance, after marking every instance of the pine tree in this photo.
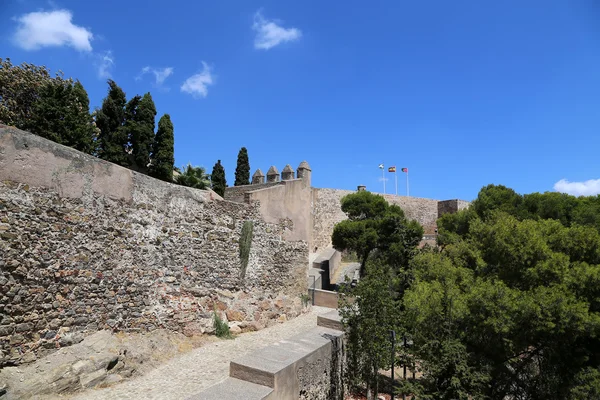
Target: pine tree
(113, 139)
(242, 170)
(163, 156)
(142, 134)
(62, 114)
(218, 181)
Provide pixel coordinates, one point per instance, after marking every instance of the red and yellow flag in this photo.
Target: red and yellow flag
(392, 169)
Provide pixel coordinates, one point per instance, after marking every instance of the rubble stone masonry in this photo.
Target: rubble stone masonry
(126, 252)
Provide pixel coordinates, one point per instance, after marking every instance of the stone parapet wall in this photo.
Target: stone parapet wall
(451, 206)
(237, 193)
(79, 254)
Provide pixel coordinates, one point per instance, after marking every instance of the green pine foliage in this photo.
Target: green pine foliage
(242, 170)
(373, 224)
(62, 114)
(110, 119)
(218, 181)
(163, 155)
(506, 307)
(142, 135)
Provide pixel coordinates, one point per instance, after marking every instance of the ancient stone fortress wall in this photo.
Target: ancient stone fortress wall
(237, 193)
(327, 213)
(87, 245)
(451, 206)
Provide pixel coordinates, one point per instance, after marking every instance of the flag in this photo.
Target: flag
(405, 170)
(381, 166)
(392, 169)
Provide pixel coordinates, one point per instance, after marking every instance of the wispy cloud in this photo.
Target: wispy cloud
(51, 29)
(197, 85)
(587, 188)
(160, 74)
(269, 33)
(105, 64)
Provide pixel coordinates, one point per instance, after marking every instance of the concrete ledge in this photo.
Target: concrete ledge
(232, 388)
(277, 365)
(324, 298)
(331, 320)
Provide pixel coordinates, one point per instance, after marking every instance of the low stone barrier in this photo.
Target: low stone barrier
(307, 367)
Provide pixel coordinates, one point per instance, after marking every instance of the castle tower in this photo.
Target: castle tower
(258, 177)
(304, 173)
(361, 188)
(287, 174)
(272, 174)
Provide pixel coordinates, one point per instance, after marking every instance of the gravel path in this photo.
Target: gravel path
(201, 368)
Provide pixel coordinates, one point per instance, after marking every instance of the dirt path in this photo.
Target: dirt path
(201, 368)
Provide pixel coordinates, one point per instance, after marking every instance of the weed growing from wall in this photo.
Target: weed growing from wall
(245, 245)
(221, 327)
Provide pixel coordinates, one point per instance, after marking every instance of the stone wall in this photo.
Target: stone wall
(87, 245)
(306, 367)
(327, 212)
(451, 206)
(236, 193)
(287, 204)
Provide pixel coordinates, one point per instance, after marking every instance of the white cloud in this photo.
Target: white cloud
(197, 85)
(52, 28)
(587, 188)
(269, 34)
(160, 74)
(105, 64)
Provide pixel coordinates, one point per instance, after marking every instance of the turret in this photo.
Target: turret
(258, 177)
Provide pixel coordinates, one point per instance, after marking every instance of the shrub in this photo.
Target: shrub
(221, 327)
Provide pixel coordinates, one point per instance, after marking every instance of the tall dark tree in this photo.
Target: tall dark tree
(242, 170)
(218, 181)
(142, 135)
(163, 154)
(113, 140)
(62, 114)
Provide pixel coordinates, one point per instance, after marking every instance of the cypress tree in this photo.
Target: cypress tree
(62, 114)
(113, 138)
(163, 156)
(142, 132)
(218, 181)
(242, 170)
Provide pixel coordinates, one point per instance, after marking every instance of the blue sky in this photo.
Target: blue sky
(463, 93)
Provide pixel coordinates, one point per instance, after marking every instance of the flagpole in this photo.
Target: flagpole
(396, 178)
(407, 193)
(383, 177)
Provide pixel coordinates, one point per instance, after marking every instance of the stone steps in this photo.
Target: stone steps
(304, 363)
(232, 388)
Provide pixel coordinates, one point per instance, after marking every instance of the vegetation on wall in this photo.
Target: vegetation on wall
(245, 246)
(221, 327)
(507, 307)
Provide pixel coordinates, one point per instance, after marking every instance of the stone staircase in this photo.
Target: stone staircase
(307, 366)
